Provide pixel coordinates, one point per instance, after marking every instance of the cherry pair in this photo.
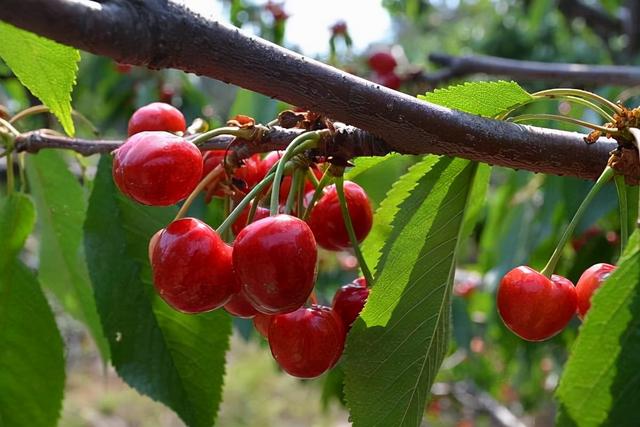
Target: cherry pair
(536, 308)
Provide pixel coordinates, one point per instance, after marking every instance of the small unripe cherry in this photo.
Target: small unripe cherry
(589, 282)
(307, 342)
(349, 301)
(327, 222)
(275, 260)
(157, 168)
(533, 306)
(157, 116)
(192, 267)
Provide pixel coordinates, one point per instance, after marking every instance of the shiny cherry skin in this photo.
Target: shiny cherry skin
(262, 323)
(157, 168)
(239, 306)
(192, 267)
(275, 260)
(382, 62)
(307, 342)
(534, 307)
(349, 301)
(241, 221)
(157, 116)
(588, 283)
(326, 217)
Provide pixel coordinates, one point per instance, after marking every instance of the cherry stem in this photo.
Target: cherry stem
(10, 178)
(580, 94)
(352, 234)
(313, 297)
(211, 176)
(621, 187)
(12, 130)
(574, 99)
(529, 117)
(293, 190)
(312, 178)
(300, 143)
(606, 176)
(324, 181)
(229, 130)
(255, 191)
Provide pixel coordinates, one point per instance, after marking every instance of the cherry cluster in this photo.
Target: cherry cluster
(269, 271)
(536, 307)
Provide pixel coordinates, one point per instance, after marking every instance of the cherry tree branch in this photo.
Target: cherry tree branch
(162, 34)
(460, 66)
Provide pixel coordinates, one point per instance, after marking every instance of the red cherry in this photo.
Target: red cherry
(390, 80)
(239, 306)
(123, 68)
(157, 168)
(157, 116)
(591, 280)
(241, 221)
(307, 342)
(382, 62)
(262, 323)
(326, 217)
(534, 307)
(340, 27)
(349, 301)
(275, 260)
(192, 267)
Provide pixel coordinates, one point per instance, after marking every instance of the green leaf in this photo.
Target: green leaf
(17, 218)
(364, 164)
(599, 386)
(46, 68)
(31, 356)
(172, 357)
(390, 206)
(31, 353)
(489, 99)
(62, 207)
(395, 348)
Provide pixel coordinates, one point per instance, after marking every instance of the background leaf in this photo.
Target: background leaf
(599, 386)
(487, 99)
(46, 68)
(396, 347)
(62, 207)
(172, 357)
(31, 354)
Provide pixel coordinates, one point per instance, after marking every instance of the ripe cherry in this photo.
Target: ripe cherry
(157, 168)
(241, 221)
(382, 62)
(239, 306)
(534, 307)
(326, 217)
(157, 116)
(588, 283)
(307, 342)
(275, 260)
(349, 301)
(262, 322)
(192, 267)
(390, 80)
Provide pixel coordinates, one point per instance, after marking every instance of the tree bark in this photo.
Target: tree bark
(161, 34)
